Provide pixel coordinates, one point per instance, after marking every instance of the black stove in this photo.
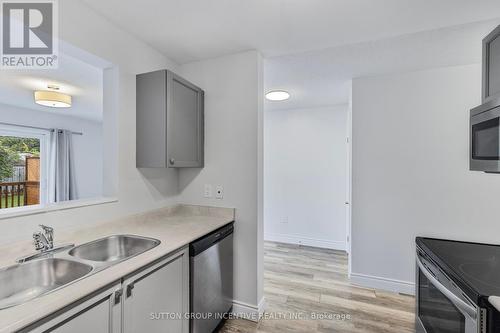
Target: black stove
(453, 284)
(474, 266)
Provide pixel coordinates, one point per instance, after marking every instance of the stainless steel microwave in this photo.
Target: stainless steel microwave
(485, 137)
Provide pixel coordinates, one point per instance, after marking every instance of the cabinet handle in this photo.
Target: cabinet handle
(118, 296)
(130, 287)
(172, 161)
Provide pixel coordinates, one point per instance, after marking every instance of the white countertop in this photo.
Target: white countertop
(174, 226)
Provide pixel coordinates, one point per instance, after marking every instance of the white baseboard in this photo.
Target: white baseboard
(376, 282)
(248, 311)
(262, 305)
(292, 239)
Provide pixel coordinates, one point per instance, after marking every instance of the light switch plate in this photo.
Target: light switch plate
(219, 192)
(208, 191)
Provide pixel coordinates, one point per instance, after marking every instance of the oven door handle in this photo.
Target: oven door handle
(459, 303)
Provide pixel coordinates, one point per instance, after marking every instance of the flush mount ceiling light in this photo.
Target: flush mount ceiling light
(52, 98)
(277, 95)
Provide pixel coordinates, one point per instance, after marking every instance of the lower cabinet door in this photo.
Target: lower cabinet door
(157, 299)
(96, 319)
(99, 314)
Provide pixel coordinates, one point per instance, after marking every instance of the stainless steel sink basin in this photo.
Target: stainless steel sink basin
(24, 282)
(57, 268)
(113, 248)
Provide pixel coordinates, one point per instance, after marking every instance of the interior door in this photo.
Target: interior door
(348, 199)
(348, 202)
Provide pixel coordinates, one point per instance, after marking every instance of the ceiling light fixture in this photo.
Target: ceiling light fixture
(52, 98)
(277, 95)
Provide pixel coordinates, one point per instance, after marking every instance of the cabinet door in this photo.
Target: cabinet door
(100, 314)
(185, 112)
(494, 67)
(96, 319)
(151, 120)
(157, 299)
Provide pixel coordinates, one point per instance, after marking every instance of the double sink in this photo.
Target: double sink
(54, 270)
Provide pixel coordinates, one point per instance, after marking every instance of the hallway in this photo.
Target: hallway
(302, 282)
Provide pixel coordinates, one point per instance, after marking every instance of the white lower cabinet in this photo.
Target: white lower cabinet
(96, 319)
(157, 299)
(154, 299)
(99, 314)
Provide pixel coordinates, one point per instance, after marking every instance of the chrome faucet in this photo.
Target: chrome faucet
(44, 241)
(44, 245)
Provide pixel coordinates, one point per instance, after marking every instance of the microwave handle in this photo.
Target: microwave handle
(460, 304)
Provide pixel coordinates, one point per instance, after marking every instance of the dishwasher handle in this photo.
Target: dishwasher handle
(209, 240)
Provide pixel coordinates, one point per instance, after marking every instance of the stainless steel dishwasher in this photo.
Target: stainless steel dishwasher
(211, 279)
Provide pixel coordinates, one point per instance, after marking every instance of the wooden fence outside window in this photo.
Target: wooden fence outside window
(22, 193)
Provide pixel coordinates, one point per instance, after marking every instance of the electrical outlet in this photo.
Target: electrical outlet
(219, 192)
(208, 191)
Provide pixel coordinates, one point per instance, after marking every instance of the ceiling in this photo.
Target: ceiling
(312, 48)
(190, 30)
(77, 78)
(321, 78)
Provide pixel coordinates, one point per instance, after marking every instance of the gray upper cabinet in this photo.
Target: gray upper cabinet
(491, 66)
(170, 122)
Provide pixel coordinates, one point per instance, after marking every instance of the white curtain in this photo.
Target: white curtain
(61, 181)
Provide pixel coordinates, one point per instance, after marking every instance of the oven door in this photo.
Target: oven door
(441, 306)
(485, 140)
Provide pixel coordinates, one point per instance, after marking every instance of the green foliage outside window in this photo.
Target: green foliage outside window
(11, 149)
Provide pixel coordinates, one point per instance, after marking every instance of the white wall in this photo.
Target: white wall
(87, 147)
(233, 86)
(411, 171)
(88, 160)
(138, 190)
(305, 176)
(233, 108)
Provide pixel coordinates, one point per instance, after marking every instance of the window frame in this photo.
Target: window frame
(44, 137)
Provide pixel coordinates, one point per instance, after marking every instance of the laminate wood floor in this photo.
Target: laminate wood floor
(302, 282)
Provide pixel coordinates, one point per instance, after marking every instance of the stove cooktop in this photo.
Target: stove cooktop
(475, 267)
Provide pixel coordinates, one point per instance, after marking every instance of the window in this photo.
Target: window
(23, 166)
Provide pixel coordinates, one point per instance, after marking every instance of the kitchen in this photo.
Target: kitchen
(407, 181)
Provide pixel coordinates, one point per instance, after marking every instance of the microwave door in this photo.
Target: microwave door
(485, 141)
